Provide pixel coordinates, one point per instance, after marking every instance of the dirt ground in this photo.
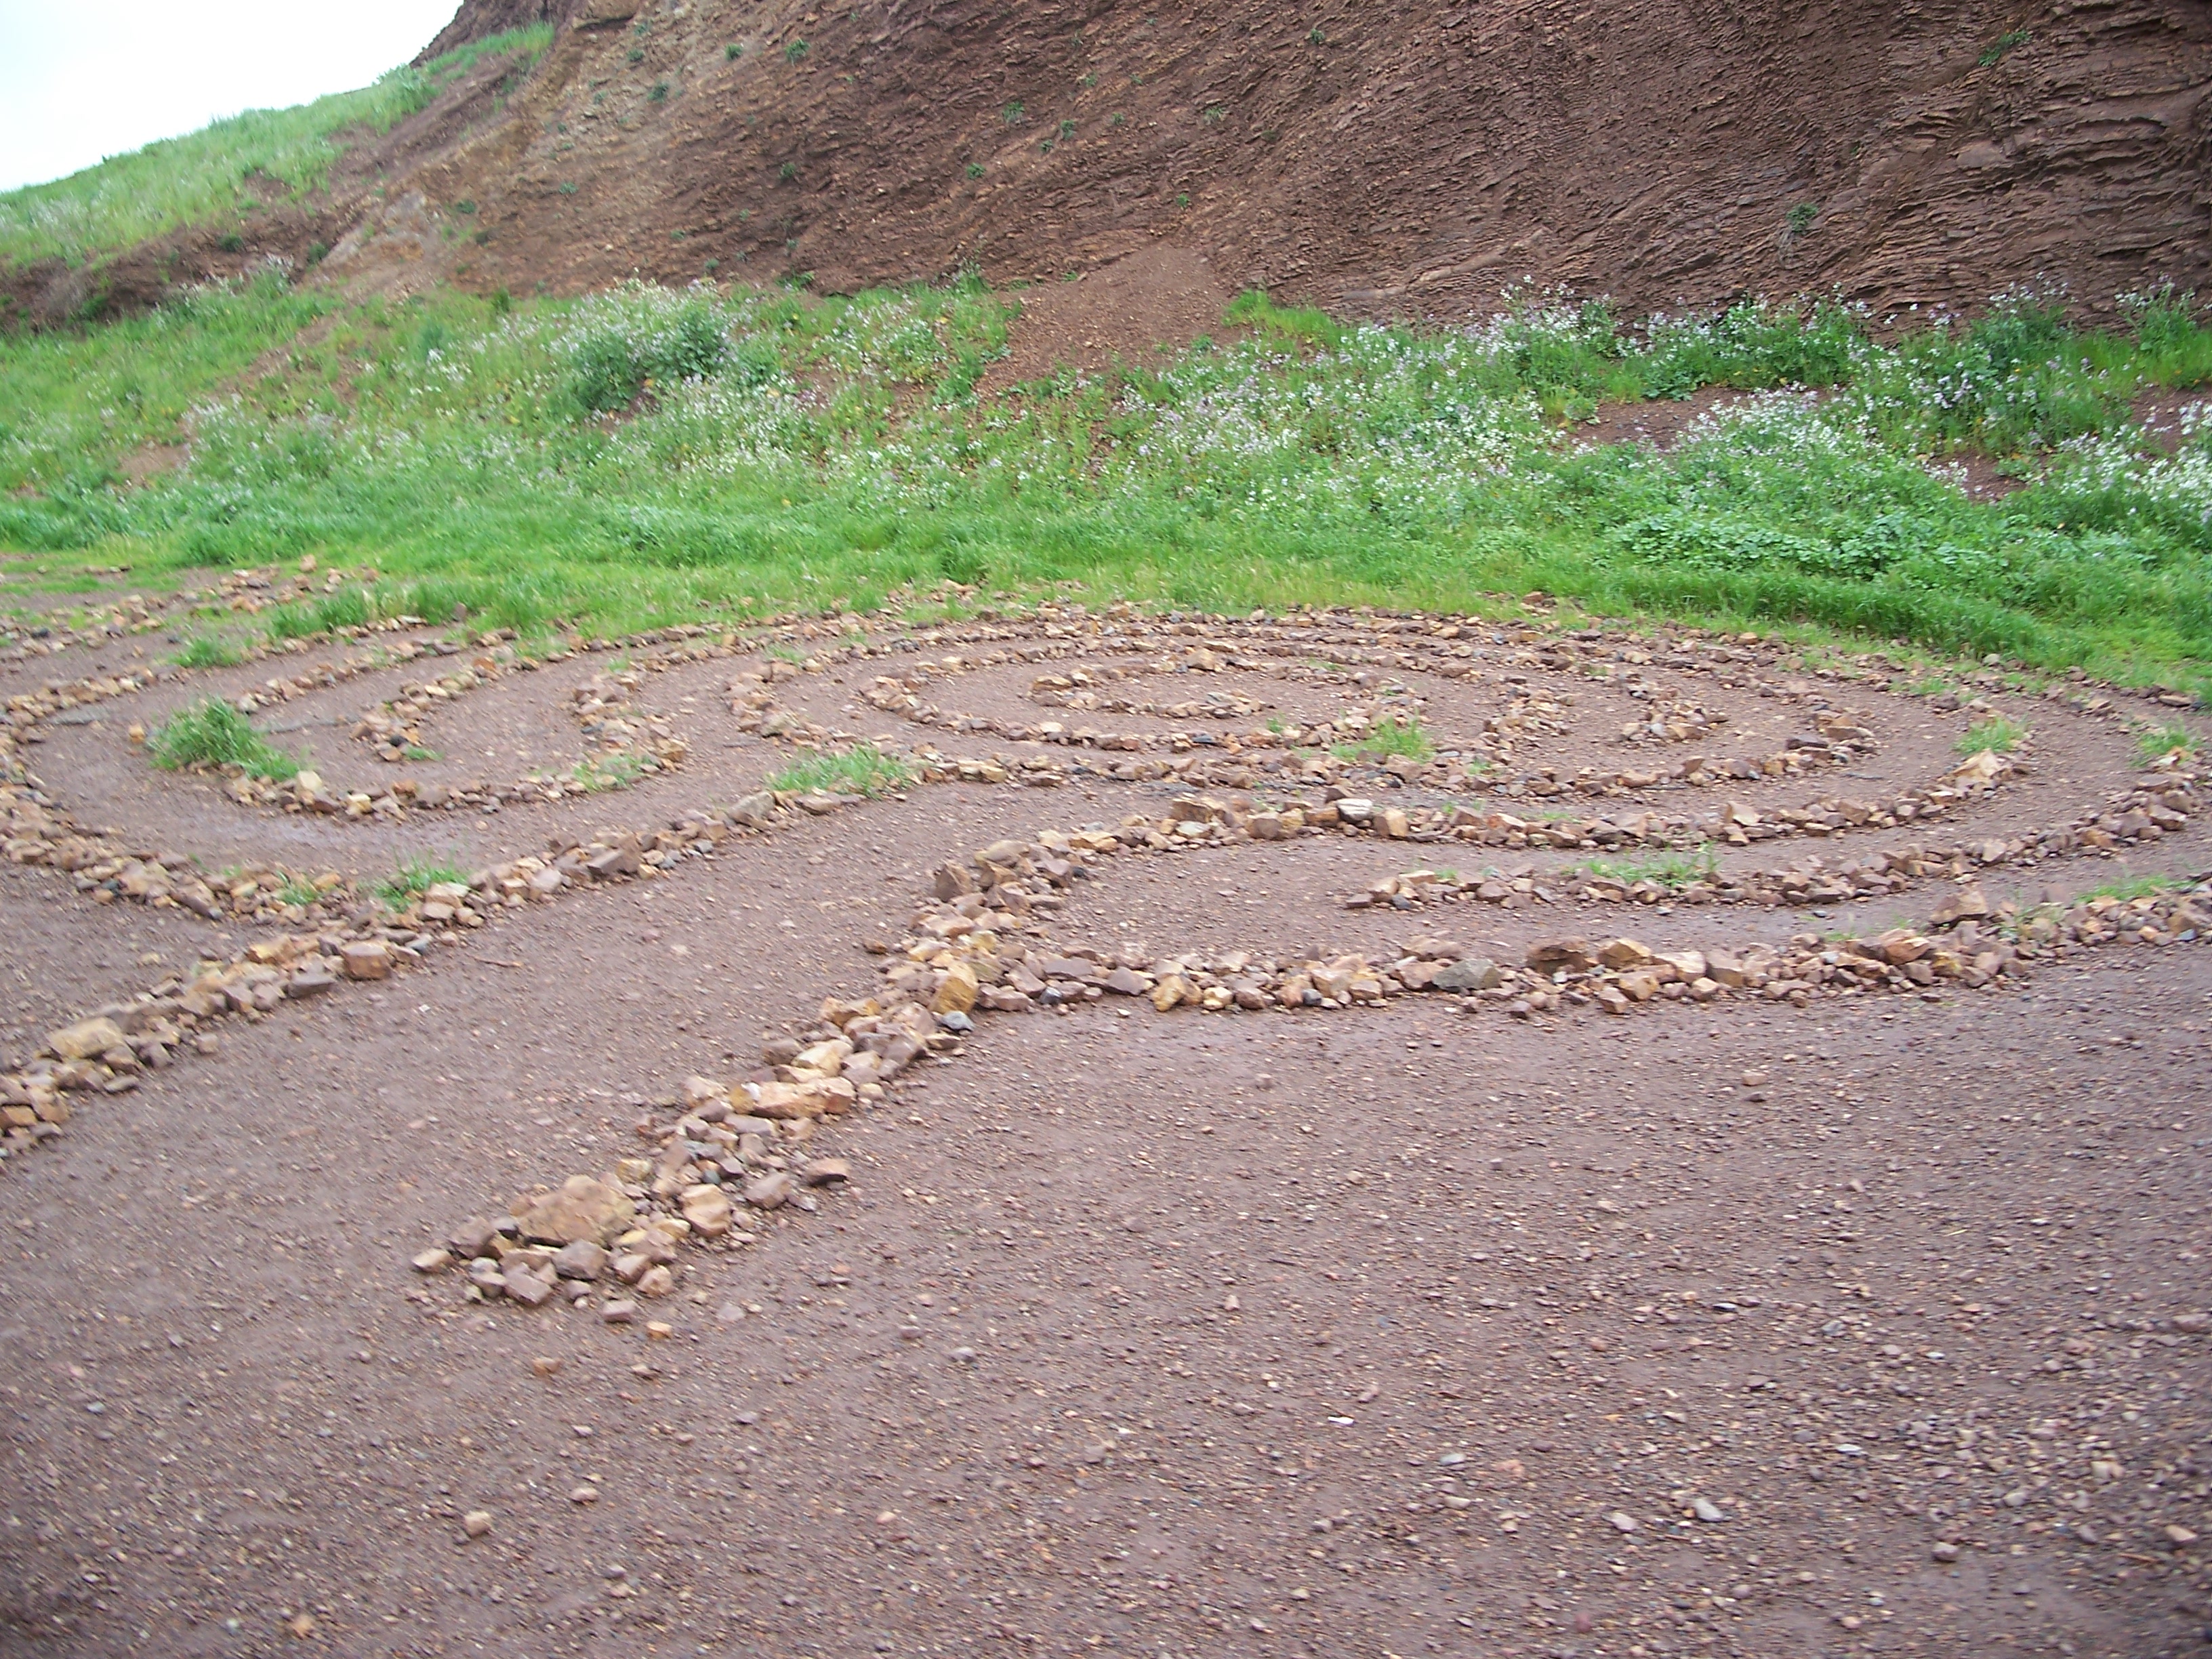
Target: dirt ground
(1872, 1327)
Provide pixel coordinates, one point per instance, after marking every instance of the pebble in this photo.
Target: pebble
(476, 1523)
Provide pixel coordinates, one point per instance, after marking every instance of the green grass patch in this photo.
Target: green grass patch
(1391, 736)
(415, 877)
(1672, 870)
(208, 651)
(1998, 734)
(2131, 888)
(214, 735)
(223, 171)
(2160, 741)
(863, 769)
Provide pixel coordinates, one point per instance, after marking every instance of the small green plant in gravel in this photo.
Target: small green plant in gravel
(1391, 736)
(213, 734)
(415, 877)
(1998, 733)
(863, 769)
(206, 651)
(2160, 741)
(297, 891)
(616, 770)
(1672, 870)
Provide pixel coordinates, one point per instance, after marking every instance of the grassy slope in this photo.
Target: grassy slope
(769, 451)
(210, 176)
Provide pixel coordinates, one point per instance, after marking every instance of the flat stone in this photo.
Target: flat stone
(583, 1208)
(1127, 983)
(1572, 955)
(365, 958)
(1475, 974)
(771, 1192)
(581, 1258)
(87, 1040)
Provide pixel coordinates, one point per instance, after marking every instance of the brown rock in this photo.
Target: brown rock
(365, 958)
(707, 1209)
(583, 1208)
(87, 1040)
(1572, 955)
(770, 1192)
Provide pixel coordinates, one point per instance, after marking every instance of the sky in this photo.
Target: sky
(82, 80)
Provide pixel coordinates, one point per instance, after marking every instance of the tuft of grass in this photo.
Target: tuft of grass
(1388, 737)
(299, 892)
(731, 52)
(217, 172)
(863, 769)
(2131, 887)
(214, 735)
(415, 877)
(615, 770)
(1800, 217)
(2010, 40)
(206, 651)
(1998, 733)
(1672, 870)
(2155, 744)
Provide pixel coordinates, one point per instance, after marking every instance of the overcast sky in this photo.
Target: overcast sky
(84, 79)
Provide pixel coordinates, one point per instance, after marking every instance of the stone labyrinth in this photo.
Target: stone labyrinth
(1632, 799)
(1509, 823)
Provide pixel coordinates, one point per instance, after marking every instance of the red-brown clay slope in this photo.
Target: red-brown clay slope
(1414, 158)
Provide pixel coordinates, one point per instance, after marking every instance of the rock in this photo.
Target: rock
(1945, 1551)
(1624, 953)
(527, 1287)
(619, 1313)
(1170, 992)
(826, 1172)
(770, 1192)
(584, 1495)
(1355, 811)
(1475, 974)
(88, 1039)
(476, 1523)
(474, 1238)
(1706, 1510)
(432, 1261)
(365, 958)
(1966, 902)
(1622, 1521)
(1755, 1079)
(1127, 983)
(1570, 955)
(656, 1282)
(956, 993)
(582, 1209)
(581, 1258)
(707, 1209)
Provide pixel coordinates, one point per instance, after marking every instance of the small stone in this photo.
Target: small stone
(1706, 1510)
(827, 1172)
(1475, 974)
(526, 1287)
(656, 1282)
(1754, 1078)
(1572, 955)
(579, 1259)
(707, 1209)
(87, 1040)
(619, 1313)
(956, 994)
(365, 958)
(2181, 1537)
(582, 1209)
(1622, 1521)
(476, 1523)
(432, 1261)
(584, 1495)
(1945, 1551)
(546, 1364)
(770, 1192)
(658, 1330)
(1127, 983)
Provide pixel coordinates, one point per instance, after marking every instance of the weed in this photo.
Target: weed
(616, 769)
(2010, 40)
(416, 751)
(636, 54)
(206, 651)
(660, 93)
(1183, 198)
(1800, 217)
(567, 187)
(1212, 114)
(1067, 131)
(1390, 737)
(1672, 870)
(1996, 733)
(795, 51)
(1315, 37)
(731, 52)
(415, 877)
(298, 892)
(788, 172)
(214, 735)
(863, 769)
(2160, 741)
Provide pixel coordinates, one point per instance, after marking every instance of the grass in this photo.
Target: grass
(863, 769)
(1998, 734)
(415, 877)
(2155, 744)
(1672, 870)
(1389, 738)
(645, 457)
(225, 171)
(618, 770)
(206, 651)
(215, 735)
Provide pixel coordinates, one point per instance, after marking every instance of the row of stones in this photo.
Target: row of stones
(1306, 752)
(982, 946)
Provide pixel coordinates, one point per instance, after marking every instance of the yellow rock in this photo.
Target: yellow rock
(956, 993)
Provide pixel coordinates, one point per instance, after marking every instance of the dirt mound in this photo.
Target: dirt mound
(1412, 159)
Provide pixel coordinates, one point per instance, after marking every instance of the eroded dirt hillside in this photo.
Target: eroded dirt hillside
(1414, 158)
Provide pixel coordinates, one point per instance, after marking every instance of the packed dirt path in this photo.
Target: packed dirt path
(1615, 1310)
